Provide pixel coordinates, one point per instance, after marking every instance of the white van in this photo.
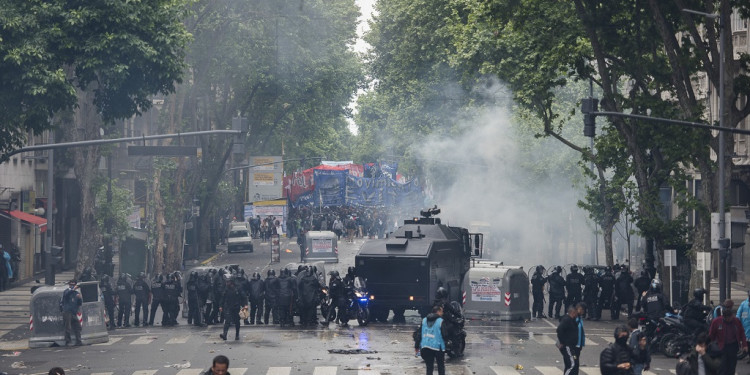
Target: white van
(239, 238)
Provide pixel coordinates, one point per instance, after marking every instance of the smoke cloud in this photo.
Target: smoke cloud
(496, 177)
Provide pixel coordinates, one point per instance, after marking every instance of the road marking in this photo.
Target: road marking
(111, 341)
(548, 370)
(178, 340)
(543, 339)
(279, 371)
(608, 339)
(102, 373)
(145, 372)
(143, 340)
(504, 370)
(550, 323)
(325, 370)
(590, 370)
(367, 372)
(238, 370)
(189, 371)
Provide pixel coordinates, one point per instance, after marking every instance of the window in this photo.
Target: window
(738, 23)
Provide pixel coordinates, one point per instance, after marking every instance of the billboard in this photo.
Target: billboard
(265, 178)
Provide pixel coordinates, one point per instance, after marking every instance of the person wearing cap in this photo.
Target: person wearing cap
(70, 304)
(743, 313)
(728, 333)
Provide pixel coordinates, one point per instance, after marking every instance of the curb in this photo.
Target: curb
(211, 259)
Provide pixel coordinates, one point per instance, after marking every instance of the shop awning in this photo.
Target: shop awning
(29, 218)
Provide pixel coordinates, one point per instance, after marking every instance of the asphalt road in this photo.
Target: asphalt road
(496, 348)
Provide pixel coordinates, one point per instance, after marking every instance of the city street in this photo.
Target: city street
(493, 347)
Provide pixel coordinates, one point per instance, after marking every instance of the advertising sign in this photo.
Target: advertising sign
(275, 249)
(485, 290)
(267, 179)
(266, 163)
(322, 245)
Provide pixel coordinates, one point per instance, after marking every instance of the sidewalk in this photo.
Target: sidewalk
(738, 293)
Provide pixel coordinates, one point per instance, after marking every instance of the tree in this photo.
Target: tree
(85, 66)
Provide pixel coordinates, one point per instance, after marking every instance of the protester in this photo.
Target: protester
(617, 358)
(568, 340)
(726, 330)
(639, 345)
(219, 366)
(699, 360)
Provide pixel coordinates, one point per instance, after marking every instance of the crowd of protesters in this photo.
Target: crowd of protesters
(346, 221)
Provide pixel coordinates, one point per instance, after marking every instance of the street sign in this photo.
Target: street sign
(670, 258)
(703, 261)
(162, 150)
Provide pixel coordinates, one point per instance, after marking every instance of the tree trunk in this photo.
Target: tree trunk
(160, 223)
(86, 122)
(608, 253)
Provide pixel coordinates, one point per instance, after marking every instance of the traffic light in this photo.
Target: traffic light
(588, 107)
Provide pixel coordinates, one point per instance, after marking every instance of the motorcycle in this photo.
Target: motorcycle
(676, 336)
(325, 304)
(455, 343)
(359, 306)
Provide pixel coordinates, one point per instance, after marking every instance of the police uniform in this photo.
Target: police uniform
(537, 290)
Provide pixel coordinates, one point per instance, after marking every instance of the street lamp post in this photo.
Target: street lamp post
(724, 256)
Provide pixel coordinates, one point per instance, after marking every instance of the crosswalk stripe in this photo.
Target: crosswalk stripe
(608, 339)
(143, 340)
(325, 370)
(548, 370)
(191, 371)
(111, 341)
(543, 339)
(590, 370)
(504, 370)
(279, 371)
(102, 373)
(178, 340)
(145, 372)
(238, 370)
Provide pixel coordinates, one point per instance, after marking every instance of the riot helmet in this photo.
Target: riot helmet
(608, 269)
(539, 269)
(441, 293)
(655, 285)
(698, 293)
(350, 271)
(574, 268)
(142, 275)
(558, 269)
(105, 278)
(334, 274)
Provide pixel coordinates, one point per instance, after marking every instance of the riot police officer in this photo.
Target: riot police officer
(641, 284)
(124, 296)
(573, 284)
(624, 292)
(157, 297)
(142, 293)
(203, 284)
(257, 293)
(271, 295)
(109, 299)
(171, 295)
(607, 285)
(349, 278)
(654, 303)
(194, 311)
(537, 290)
(695, 312)
(556, 292)
(287, 296)
(308, 289)
(88, 274)
(234, 300)
(219, 285)
(590, 290)
(337, 292)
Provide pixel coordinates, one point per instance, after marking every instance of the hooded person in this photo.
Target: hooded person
(727, 331)
(617, 358)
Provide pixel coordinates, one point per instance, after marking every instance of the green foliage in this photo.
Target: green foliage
(123, 50)
(115, 212)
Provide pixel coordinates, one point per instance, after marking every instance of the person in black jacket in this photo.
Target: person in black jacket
(591, 290)
(157, 297)
(617, 358)
(287, 287)
(556, 292)
(573, 284)
(309, 288)
(109, 299)
(194, 311)
(607, 285)
(234, 300)
(537, 290)
(641, 284)
(271, 295)
(624, 293)
(257, 293)
(567, 341)
(124, 296)
(142, 294)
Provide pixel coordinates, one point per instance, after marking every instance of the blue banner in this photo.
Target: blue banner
(389, 168)
(408, 194)
(365, 192)
(305, 199)
(330, 187)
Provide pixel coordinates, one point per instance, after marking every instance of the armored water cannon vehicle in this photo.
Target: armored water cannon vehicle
(405, 270)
